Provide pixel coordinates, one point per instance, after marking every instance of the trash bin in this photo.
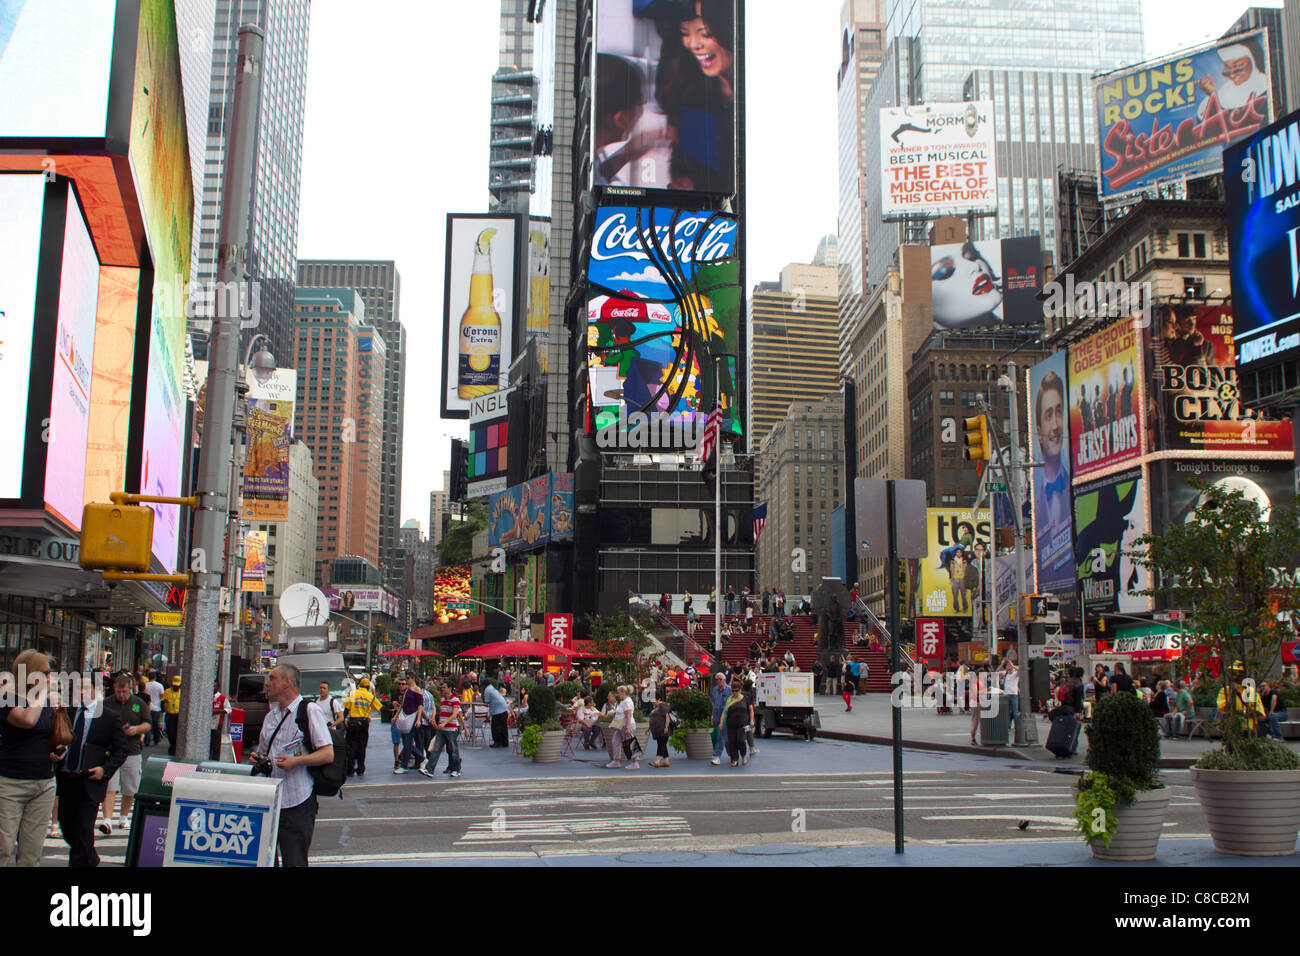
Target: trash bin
(146, 846)
(995, 724)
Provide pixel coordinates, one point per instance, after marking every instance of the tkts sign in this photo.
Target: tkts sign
(929, 640)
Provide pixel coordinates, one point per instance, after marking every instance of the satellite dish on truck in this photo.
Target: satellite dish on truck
(304, 605)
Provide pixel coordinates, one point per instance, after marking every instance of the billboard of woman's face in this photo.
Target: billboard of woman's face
(665, 104)
(966, 285)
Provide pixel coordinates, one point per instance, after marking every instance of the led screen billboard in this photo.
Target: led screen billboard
(532, 514)
(479, 298)
(1262, 191)
(1105, 404)
(537, 314)
(1170, 120)
(665, 300)
(22, 200)
(1109, 516)
(489, 443)
(664, 109)
(74, 347)
(159, 156)
(1196, 399)
(991, 282)
(109, 429)
(270, 433)
(1174, 498)
(1049, 442)
(948, 577)
(937, 159)
(55, 60)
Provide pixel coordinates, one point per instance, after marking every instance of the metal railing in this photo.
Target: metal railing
(868, 615)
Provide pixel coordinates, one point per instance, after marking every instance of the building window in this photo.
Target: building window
(1198, 245)
(1184, 245)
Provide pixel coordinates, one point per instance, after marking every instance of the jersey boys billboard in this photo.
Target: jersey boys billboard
(1105, 413)
(937, 159)
(1170, 120)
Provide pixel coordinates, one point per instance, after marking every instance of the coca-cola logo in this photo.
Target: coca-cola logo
(698, 237)
(624, 313)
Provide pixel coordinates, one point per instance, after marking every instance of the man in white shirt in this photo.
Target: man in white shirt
(282, 743)
(1011, 687)
(155, 691)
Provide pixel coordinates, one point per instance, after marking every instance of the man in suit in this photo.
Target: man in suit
(99, 747)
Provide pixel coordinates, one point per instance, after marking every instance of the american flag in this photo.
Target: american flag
(760, 519)
(710, 439)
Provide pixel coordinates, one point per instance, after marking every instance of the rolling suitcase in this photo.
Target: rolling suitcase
(1061, 741)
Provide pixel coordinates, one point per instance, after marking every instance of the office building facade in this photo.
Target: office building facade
(379, 284)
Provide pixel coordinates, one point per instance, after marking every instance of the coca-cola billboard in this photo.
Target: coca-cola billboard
(664, 301)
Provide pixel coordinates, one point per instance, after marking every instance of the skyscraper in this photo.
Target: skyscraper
(514, 108)
(273, 222)
(339, 414)
(380, 286)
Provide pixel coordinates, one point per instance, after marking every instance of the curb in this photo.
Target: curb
(1006, 753)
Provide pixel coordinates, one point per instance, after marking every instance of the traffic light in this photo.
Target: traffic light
(977, 439)
(116, 537)
(1101, 625)
(1031, 607)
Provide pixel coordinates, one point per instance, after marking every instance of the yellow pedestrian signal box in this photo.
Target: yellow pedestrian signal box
(977, 439)
(116, 537)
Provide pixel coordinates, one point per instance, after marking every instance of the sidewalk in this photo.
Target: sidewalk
(869, 722)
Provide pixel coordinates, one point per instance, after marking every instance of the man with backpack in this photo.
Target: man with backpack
(295, 737)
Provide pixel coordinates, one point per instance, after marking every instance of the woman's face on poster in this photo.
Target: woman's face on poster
(962, 286)
(699, 40)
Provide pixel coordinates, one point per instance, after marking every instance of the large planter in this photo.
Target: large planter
(699, 744)
(548, 751)
(1293, 714)
(1250, 812)
(1138, 829)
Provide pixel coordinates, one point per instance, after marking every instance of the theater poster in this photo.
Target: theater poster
(1105, 404)
(1109, 516)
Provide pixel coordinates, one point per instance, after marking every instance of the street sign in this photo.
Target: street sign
(460, 605)
(995, 485)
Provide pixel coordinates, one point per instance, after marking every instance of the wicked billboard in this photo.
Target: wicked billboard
(1109, 516)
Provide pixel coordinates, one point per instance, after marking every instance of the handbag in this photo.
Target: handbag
(60, 729)
(405, 722)
(631, 747)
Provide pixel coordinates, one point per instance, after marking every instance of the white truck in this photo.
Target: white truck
(785, 700)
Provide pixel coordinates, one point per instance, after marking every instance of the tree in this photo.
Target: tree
(1231, 569)
(619, 643)
(457, 545)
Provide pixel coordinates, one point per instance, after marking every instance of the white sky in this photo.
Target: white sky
(397, 136)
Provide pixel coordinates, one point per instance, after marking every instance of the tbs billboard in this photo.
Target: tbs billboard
(1171, 119)
(1262, 186)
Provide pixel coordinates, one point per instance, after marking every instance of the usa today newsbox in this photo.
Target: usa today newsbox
(220, 819)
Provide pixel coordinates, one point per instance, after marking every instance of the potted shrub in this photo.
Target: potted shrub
(695, 711)
(541, 719)
(1223, 563)
(1291, 698)
(1122, 805)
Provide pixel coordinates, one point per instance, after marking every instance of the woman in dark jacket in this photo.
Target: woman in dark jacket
(660, 728)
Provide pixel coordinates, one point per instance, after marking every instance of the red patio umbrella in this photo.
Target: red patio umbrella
(405, 652)
(512, 649)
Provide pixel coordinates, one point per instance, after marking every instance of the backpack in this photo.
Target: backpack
(327, 780)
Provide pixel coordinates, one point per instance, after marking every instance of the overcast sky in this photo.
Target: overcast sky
(397, 136)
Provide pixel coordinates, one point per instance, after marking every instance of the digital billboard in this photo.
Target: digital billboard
(937, 159)
(364, 600)
(74, 347)
(22, 202)
(949, 575)
(109, 430)
(1171, 119)
(489, 443)
(269, 435)
(1197, 403)
(532, 514)
(451, 585)
(1268, 483)
(1049, 442)
(665, 300)
(478, 308)
(1262, 192)
(992, 282)
(159, 156)
(1105, 404)
(1109, 516)
(664, 109)
(55, 60)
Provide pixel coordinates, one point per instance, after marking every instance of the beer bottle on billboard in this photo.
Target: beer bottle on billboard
(479, 367)
(539, 295)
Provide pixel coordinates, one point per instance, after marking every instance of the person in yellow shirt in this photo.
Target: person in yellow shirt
(1247, 702)
(171, 705)
(359, 706)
